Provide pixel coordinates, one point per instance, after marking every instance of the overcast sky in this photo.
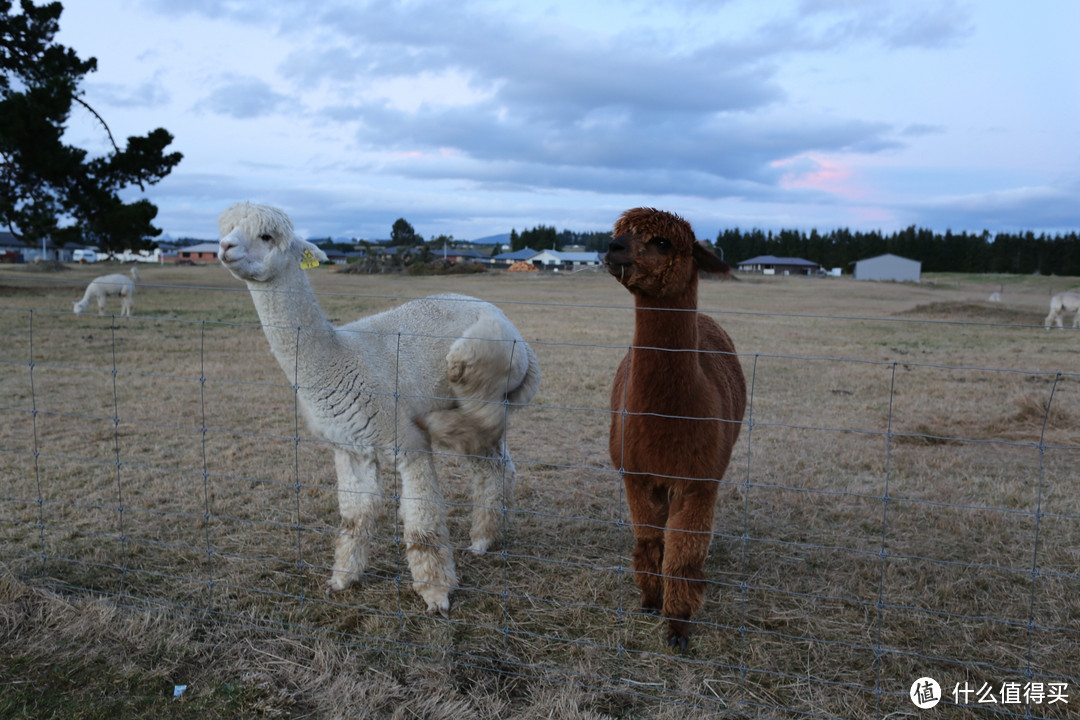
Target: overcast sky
(471, 118)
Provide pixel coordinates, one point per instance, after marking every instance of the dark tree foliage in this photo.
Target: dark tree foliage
(47, 188)
(983, 252)
(591, 241)
(543, 237)
(402, 233)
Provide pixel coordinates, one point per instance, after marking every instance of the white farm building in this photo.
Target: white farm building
(888, 267)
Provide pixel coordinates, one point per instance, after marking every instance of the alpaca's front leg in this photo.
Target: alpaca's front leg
(427, 542)
(686, 544)
(359, 498)
(648, 501)
(492, 496)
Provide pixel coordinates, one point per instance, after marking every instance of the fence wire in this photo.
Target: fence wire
(881, 521)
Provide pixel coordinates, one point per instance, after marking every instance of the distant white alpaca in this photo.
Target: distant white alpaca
(1062, 304)
(107, 286)
(441, 370)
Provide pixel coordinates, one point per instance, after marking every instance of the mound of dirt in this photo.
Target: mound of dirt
(1030, 421)
(47, 266)
(973, 312)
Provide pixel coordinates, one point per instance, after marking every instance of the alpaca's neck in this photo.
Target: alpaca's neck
(659, 378)
(667, 323)
(293, 322)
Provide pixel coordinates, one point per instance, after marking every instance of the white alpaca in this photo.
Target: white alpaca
(107, 286)
(441, 370)
(1062, 304)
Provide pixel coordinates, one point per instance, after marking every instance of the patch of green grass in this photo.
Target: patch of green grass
(41, 687)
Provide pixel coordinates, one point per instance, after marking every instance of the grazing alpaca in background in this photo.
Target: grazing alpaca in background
(442, 370)
(677, 407)
(105, 286)
(1061, 305)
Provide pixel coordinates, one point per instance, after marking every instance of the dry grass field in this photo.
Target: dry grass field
(904, 501)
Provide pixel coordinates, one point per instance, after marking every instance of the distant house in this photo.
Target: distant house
(11, 248)
(888, 267)
(772, 265)
(456, 255)
(14, 250)
(201, 253)
(507, 259)
(558, 260)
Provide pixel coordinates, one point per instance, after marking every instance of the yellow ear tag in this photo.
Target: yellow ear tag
(308, 261)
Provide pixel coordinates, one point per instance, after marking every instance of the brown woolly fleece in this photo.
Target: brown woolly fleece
(677, 406)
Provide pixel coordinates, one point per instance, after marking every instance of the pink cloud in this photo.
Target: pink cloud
(819, 173)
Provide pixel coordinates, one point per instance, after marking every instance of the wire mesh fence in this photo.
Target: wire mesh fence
(889, 514)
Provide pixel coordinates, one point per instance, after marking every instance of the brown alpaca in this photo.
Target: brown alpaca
(675, 414)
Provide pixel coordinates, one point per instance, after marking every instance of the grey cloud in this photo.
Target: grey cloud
(933, 27)
(921, 129)
(245, 98)
(729, 150)
(826, 24)
(573, 111)
(146, 95)
(1058, 209)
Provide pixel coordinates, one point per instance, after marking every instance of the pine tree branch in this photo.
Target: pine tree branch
(107, 132)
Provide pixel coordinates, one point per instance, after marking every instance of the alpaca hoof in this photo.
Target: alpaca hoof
(436, 598)
(439, 608)
(678, 642)
(339, 582)
(678, 634)
(479, 547)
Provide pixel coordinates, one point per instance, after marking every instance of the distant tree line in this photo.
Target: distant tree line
(1017, 253)
(1020, 253)
(543, 237)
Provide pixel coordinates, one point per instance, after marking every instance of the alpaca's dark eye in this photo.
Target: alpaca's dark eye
(662, 244)
(266, 237)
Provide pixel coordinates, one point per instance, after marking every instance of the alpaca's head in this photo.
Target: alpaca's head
(80, 307)
(258, 243)
(654, 254)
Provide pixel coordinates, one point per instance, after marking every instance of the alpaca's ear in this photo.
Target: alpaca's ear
(708, 261)
(304, 249)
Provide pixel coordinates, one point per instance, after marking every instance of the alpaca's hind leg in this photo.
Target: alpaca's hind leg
(359, 499)
(649, 512)
(427, 542)
(492, 496)
(686, 543)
